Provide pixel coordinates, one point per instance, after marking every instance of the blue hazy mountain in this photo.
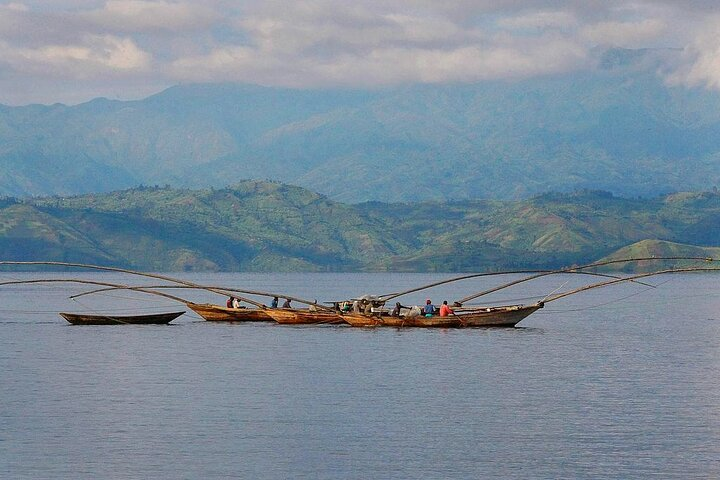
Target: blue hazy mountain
(619, 127)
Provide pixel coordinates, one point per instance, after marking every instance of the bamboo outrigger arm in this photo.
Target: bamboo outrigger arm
(219, 290)
(552, 298)
(580, 269)
(539, 273)
(90, 282)
(131, 272)
(390, 296)
(211, 288)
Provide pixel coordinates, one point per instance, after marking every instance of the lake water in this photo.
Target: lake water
(613, 383)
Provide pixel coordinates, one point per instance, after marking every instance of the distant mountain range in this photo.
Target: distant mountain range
(619, 128)
(261, 226)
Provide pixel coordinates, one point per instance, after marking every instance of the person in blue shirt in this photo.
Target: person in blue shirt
(429, 308)
(274, 302)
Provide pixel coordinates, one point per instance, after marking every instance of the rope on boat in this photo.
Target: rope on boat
(558, 288)
(593, 307)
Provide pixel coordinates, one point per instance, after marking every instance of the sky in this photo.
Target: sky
(75, 50)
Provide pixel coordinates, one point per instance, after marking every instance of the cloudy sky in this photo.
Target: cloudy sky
(74, 50)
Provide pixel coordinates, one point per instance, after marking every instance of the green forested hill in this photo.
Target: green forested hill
(271, 226)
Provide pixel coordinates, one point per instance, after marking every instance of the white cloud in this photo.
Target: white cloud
(383, 66)
(337, 42)
(18, 7)
(144, 15)
(625, 34)
(702, 59)
(97, 55)
(539, 20)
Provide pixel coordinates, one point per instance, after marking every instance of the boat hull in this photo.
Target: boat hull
(216, 313)
(153, 319)
(505, 316)
(291, 316)
(400, 322)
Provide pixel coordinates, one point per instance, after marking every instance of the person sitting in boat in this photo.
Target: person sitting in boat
(229, 303)
(367, 307)
(429, 308)
(286, 303)
(445, 310)
(396, 311)
(274, 303)
(235, 303)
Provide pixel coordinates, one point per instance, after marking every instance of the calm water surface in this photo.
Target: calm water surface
(613, 383)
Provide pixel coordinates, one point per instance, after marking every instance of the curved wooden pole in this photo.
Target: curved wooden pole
(124, 270)
(89, 282)
(460, 302)
(223, 291)
(390, 296)
(213, 289)
(558, 296)
(578, 270)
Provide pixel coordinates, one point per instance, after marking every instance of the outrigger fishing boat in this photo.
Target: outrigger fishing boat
(496, 316)
(152, 319)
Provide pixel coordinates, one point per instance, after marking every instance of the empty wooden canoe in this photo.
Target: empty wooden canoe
(153, 319)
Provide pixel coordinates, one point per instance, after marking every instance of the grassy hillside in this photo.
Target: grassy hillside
(659, 248)
(264, 226)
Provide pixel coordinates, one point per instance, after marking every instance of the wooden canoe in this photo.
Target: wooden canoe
(216, 313)
(153, 319)
(293, 316)
(503, 316)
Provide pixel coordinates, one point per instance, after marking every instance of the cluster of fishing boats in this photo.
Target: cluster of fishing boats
(363, 311)
(497, 316)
